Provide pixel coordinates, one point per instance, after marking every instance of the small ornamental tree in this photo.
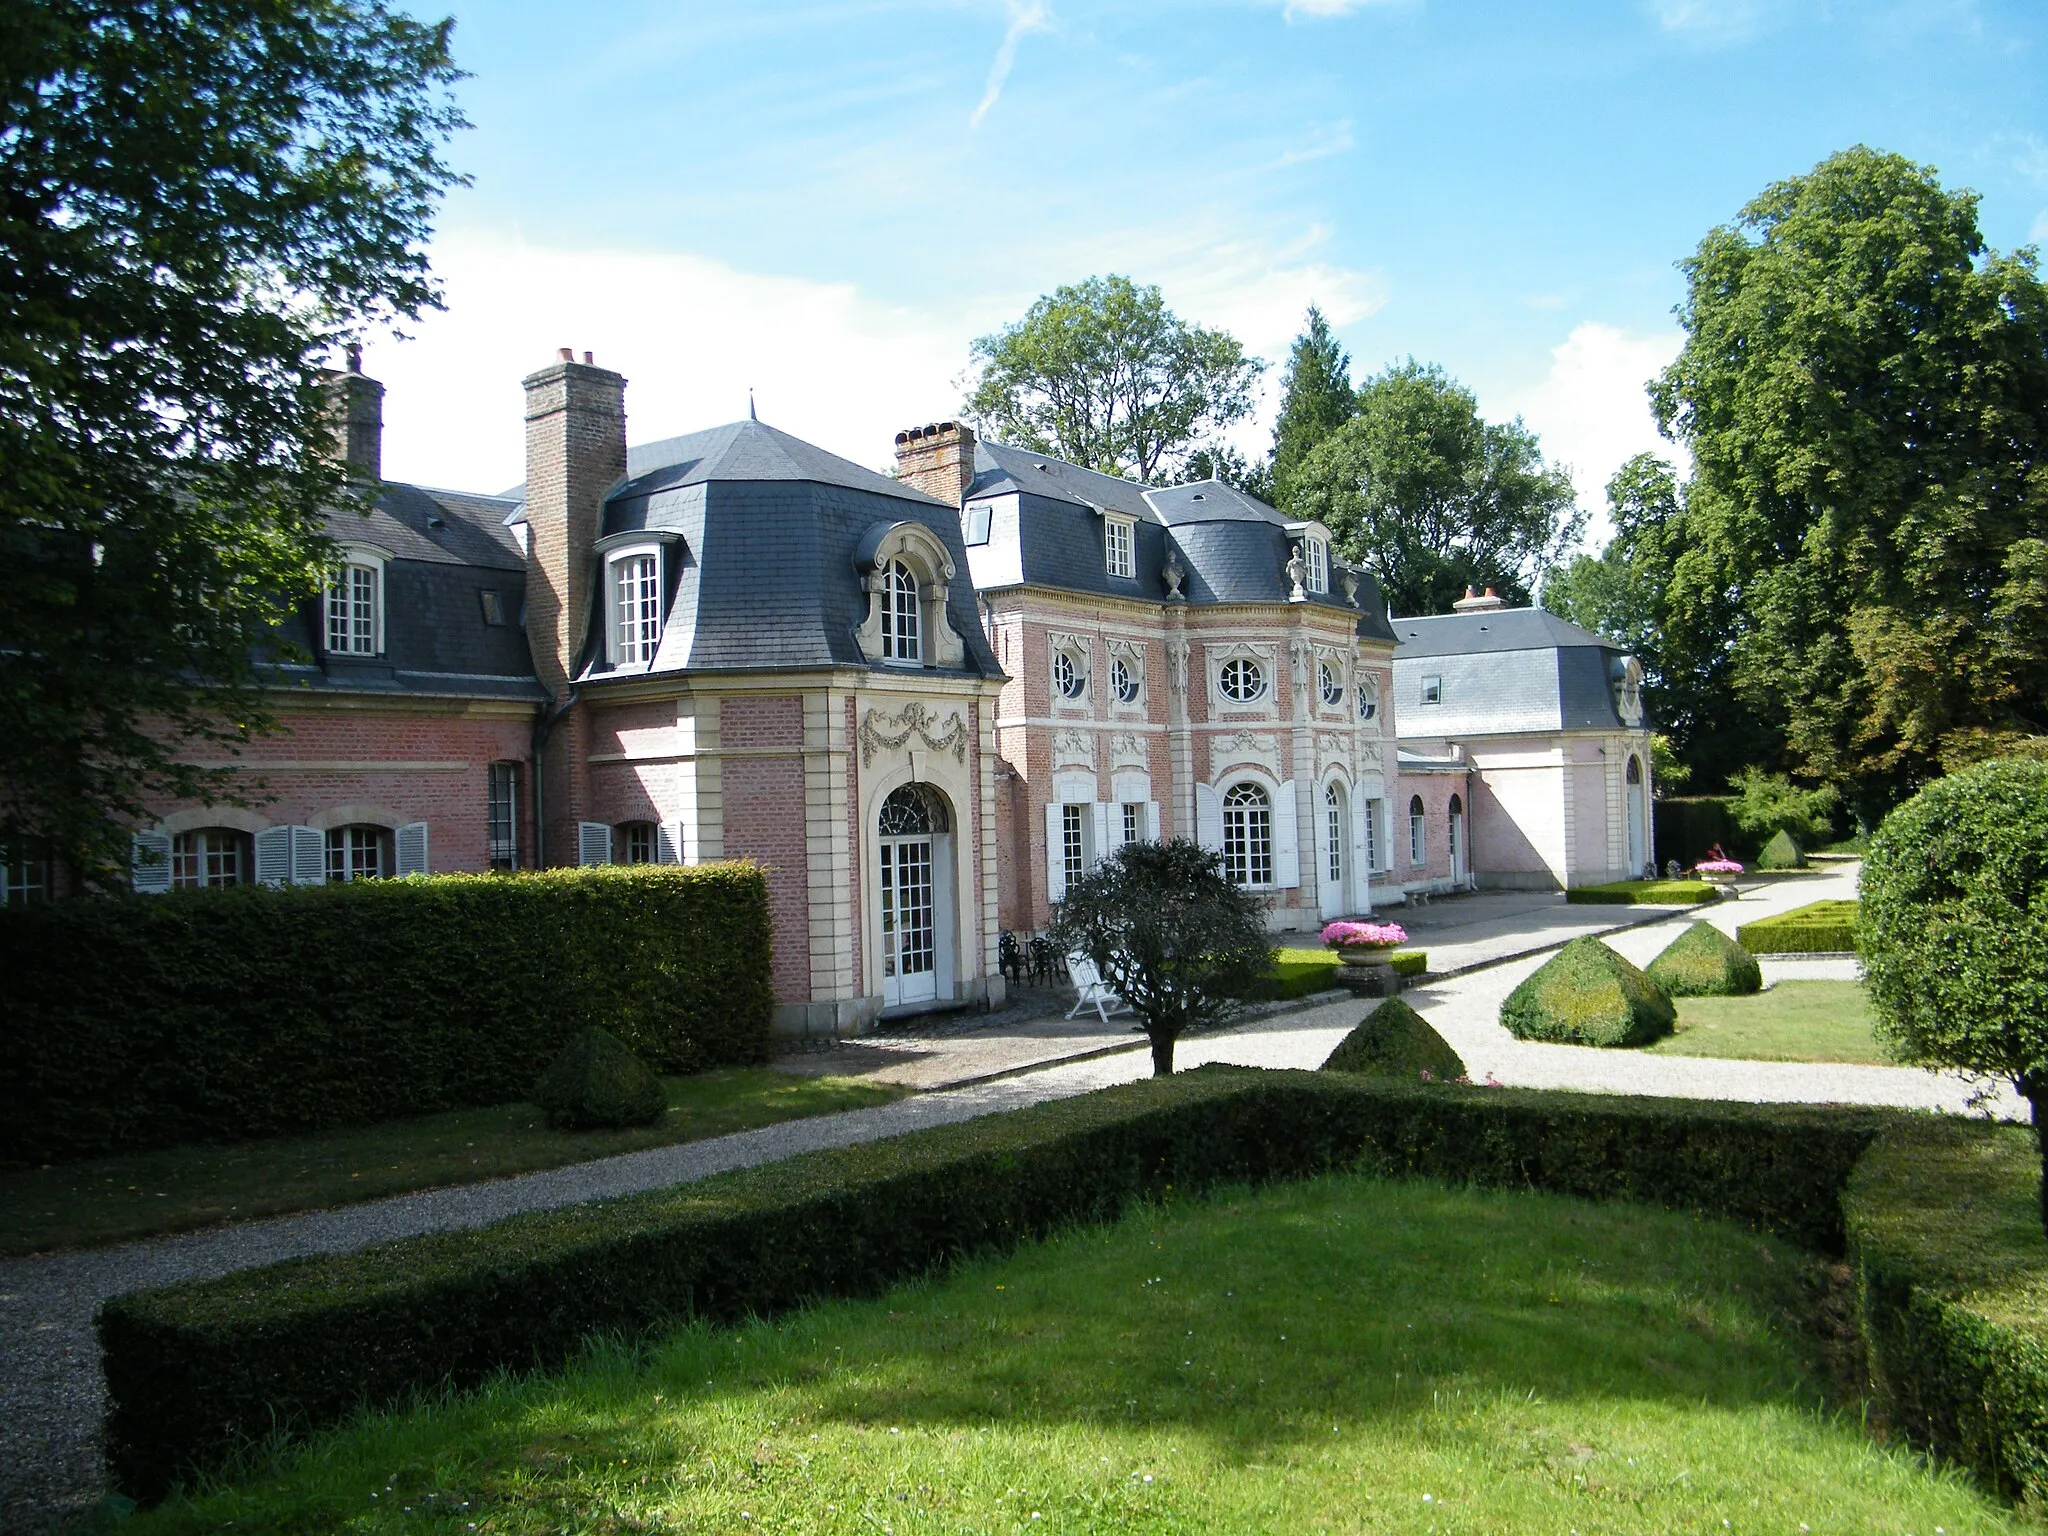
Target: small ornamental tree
(1170, 933)
(1954, 928)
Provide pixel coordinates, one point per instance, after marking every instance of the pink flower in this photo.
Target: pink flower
(1369, 935)
(1717, 867)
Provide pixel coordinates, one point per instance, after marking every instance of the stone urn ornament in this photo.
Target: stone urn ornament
(1720, 874)
(1367, 953)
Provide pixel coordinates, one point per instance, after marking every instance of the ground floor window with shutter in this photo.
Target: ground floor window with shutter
(1248, 835)
(1073, 841)
(1134, 821)
(504, 815)
(358, 853)
(636, 842)
(1418, 832)
(1374, 810)
(209, 857)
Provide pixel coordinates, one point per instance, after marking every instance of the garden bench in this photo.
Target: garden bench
(1094, 991)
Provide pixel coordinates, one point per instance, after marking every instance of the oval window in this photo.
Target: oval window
(1332, 683)
(1067, 677)
(1123, 680)
(1242, 680)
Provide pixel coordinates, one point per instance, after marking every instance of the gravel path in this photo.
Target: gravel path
(50, 1387)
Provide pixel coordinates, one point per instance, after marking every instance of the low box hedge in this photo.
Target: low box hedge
(1651, 893)
(196, 1371)
(1409, 962)
(1819, 928)
(137, 1021)
(1943, 1221)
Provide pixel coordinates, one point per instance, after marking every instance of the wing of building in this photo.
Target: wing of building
(922, 703)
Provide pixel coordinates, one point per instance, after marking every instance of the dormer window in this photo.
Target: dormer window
(902, 636)
(1317, 553)
(1119, 545)
(355, 606)
(974, 521)
(1432, 690)
(633, 605)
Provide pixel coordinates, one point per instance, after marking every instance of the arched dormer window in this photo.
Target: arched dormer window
(353, 605)
(632, 605)
(905, 570)
(902, 623)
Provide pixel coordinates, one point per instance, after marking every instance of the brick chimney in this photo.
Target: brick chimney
(1472, 602)
(355, 407)
(575, 452)
(938, 460)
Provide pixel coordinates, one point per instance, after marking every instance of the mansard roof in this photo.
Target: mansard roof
(1502, 629)
(767, 532)
(1232, 547)
(1507, 671)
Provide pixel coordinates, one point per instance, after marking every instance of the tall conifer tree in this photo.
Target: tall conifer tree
(1317, 401)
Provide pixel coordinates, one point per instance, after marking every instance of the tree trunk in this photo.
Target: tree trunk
(2035, 1091)
(1162, 1056)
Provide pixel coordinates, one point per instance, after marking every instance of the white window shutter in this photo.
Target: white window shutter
(149, 863)
(593, 842)
(1055, 854)
(1102, 840)
(409, 845)
(1209, 818)
(1152, 821)
(309, 856)
(1361, 854)
(274, 856)
(668, 843)
(1286, 839)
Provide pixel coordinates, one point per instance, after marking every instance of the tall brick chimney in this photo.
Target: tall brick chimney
(938, 460)
(575, 452)
(355, 405)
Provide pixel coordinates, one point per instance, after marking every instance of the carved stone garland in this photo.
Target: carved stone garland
(879, 732)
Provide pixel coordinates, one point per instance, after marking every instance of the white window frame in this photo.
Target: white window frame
(1330, 682)
(358, 638)
(1076, 822)
(1317, 554)
(1120, 546)
(636, 650)
(902, 598)
(1374, 810)
(1071, 665)
(1336, 813)
(1248, 835)
(1433, 689)
(1368, 690)
(381, 841)
(1418, 832)
(207, 858)
(1238, 665)
(501, 814)
(1125, 686)
(975, 520)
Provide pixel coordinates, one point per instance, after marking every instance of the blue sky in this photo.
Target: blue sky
(827, 202)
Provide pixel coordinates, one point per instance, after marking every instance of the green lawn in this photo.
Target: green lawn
(1791, 1021)
(112, 1198)
(1346, 1355)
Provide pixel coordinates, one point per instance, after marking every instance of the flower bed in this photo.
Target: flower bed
(1348, 935)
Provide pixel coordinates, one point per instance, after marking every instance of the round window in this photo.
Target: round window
(1067, 677)
(1123, 680)
(1242, 681)
(1368, 700)
(1332, 683)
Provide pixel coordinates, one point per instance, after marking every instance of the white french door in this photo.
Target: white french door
(910, 938)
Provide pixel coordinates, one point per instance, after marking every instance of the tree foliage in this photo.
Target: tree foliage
(1953, 928)
(1103, 374)
(1316, 399)
(1432, 498)
(1169, 932)
(1864, 388)
(1654, 592)
(197, 201)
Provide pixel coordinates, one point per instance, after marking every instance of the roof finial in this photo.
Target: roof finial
(750, 404)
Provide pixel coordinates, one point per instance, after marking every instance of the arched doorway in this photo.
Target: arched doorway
(1638, 829)
(1336, 857)
(915, 895)
(1459, 858)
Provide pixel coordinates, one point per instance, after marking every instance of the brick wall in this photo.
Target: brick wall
(764, 821)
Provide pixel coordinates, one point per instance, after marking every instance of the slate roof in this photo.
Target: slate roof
(1510, 671)
(1504, 629)
(766, 530)
(445, 549)
(1233, 547)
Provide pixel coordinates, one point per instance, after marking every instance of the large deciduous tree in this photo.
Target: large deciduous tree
(1103, 374)
(1864, 388)
(1315, 400)
(1432, 498)
(199, 200)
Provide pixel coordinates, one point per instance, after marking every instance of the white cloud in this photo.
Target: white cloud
(1333, 139)
(690, 334)
(1023, 18)
(1710, 21)
(1319, 8)
(1592, 410)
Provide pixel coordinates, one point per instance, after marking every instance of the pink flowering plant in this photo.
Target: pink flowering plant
(1717, 867)
(1364, 935)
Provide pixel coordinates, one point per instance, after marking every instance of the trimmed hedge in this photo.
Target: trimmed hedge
(1818, 928)
(196, 1371)
(1653, 893)
(1781, 852)
(1396, 1041)
(1704, 962)
(1943, 1223)
(1688, 825)
(1409, 962)
(1586, 994)
(596, 1084)
(137, 1022)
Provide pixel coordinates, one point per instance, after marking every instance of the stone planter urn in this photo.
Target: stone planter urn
(1367, 953)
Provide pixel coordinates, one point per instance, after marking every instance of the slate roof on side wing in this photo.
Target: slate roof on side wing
(766, 530)
(1504, 629)
(1509, 671)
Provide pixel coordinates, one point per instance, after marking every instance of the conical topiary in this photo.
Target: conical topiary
(1704, 962)
(597, 1084)
(1396, 1041)
(1586, 994)
(1781, 852)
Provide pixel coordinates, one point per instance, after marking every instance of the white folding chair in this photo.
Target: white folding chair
(1093, 991)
